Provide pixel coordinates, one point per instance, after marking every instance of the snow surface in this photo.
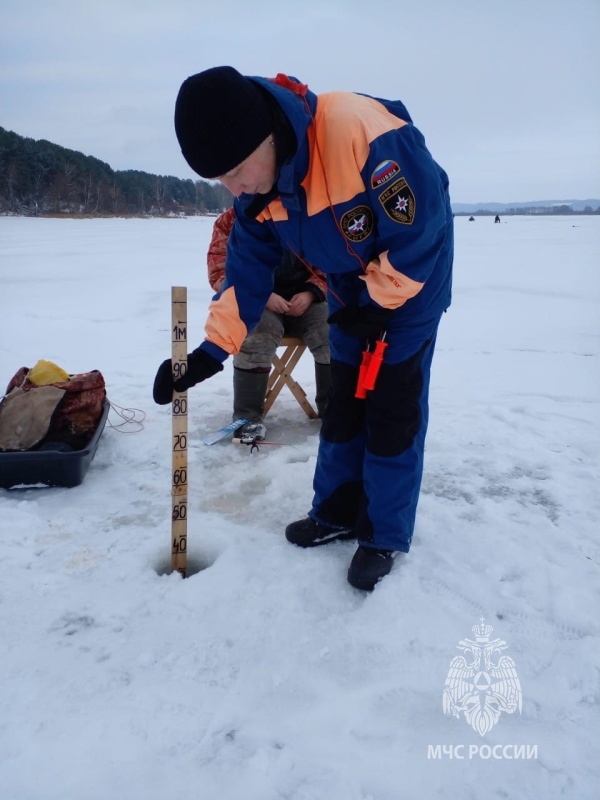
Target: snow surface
(264, 675)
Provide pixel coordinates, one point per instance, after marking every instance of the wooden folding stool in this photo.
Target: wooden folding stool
(281, 375)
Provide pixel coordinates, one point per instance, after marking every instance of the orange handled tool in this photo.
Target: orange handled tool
(375, 362)
(361, 391)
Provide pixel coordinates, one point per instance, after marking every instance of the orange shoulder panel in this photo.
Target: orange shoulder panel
(344, 126)
(224, 326)
(387, 286)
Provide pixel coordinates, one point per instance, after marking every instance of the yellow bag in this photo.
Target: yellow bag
(46, 372)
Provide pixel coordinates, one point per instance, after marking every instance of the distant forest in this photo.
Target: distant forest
(38, 177)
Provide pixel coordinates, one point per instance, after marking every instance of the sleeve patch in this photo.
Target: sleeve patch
(383, 173)
(398, 202)
(357, 223)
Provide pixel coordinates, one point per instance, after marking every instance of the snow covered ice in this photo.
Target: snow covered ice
(264, 675)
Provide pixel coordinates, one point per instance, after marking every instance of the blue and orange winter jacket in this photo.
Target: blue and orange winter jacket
(361, 198)
(291, 277)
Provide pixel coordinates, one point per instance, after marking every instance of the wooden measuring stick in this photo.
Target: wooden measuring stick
(179, 492)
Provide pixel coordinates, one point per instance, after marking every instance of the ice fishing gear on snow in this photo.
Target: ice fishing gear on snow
(250, 433)
(253, 444)
(253, 434)
(252, 440)
(38, 410)
(222, 433)
(50, 425)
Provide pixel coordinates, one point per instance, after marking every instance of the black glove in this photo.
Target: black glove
(200, 366)
(363, 322)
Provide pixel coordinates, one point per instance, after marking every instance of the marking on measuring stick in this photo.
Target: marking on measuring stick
(179, 426)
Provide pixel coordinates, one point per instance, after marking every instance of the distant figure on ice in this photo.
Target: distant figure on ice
(497, 218)
(471, 219)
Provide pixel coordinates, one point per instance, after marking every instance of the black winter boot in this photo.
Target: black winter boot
(369, 566)
(308, 533)
(249, 392)
(323, 382)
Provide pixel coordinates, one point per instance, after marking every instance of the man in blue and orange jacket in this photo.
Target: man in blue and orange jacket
(346, 182)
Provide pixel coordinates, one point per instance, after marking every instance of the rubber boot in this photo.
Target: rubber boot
(323, 382)
(249, 392)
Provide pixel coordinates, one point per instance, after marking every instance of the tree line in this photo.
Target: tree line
(39, 177)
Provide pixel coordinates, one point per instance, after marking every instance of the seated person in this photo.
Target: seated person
(295, 308)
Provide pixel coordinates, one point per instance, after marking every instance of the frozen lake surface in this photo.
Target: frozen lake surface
(264, 675)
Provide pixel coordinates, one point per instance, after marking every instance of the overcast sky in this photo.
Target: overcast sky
(505, 91)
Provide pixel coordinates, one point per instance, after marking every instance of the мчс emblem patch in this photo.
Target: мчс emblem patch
(398, 202)
(357, 223)
(383, 173)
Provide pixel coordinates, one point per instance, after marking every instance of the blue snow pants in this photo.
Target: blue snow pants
(370, 460)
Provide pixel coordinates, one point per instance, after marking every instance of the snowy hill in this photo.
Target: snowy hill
(264, 675)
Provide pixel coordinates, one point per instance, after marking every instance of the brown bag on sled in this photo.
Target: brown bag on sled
(64, 412)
